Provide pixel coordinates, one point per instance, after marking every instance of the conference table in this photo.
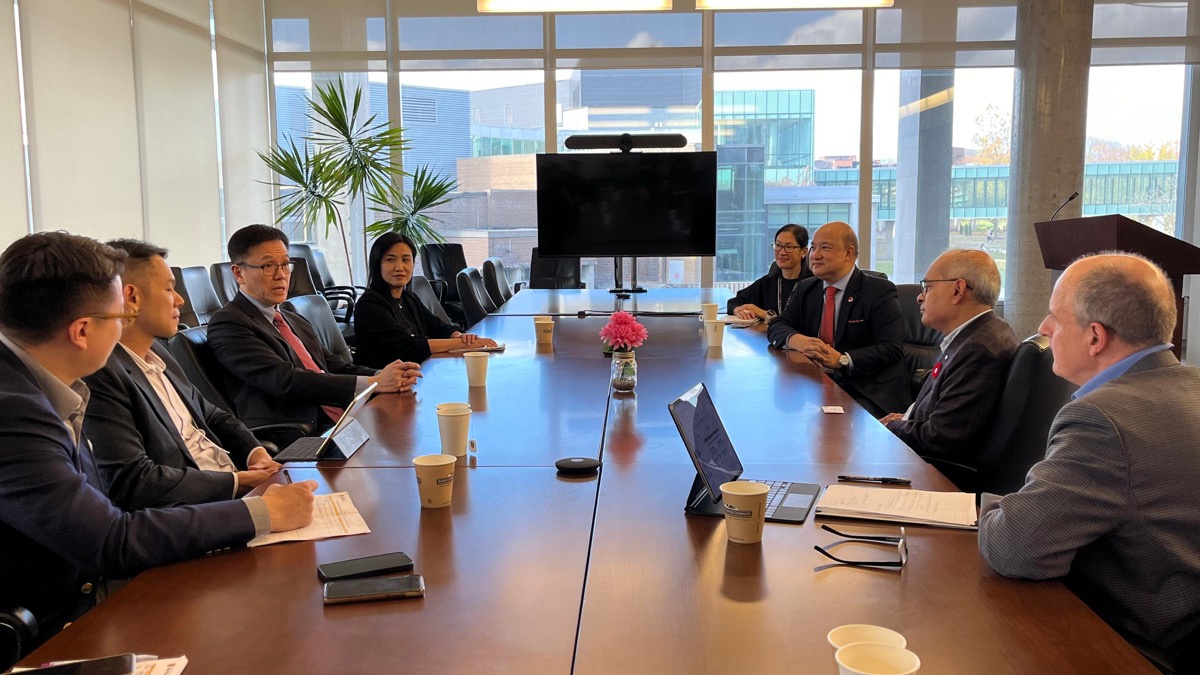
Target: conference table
(532, 572)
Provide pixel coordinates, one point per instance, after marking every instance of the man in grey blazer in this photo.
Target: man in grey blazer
(157, 441)
(954, 408)
(1113, 507)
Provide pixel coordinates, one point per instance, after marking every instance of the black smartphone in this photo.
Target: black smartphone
(121, 664)
(371, 566)
(384, 588)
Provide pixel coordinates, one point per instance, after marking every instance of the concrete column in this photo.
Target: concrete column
(1054, 41)
(923, 172)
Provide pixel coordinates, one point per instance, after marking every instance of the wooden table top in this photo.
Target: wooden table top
(506, 565)
(532, 301)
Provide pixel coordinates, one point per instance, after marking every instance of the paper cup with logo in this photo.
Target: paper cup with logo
(874, 658)
(454, 424)
(714, 333)
(709, 311)
(544, 331)
(477, 364)
(435, 480)
(745, 510)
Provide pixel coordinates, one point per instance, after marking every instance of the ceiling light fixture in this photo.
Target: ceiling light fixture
(789, 4)
(559, 6)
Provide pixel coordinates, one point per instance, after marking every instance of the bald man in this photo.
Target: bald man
(1113, 507)
(954, 409)
(848, 323)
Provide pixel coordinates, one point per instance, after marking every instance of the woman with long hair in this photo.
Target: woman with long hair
(767, 297)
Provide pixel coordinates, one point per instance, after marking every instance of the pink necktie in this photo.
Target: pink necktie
(297, 346)
(826, 334)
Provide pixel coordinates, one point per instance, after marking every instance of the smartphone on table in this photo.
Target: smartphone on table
(371, 566)
(383, 588)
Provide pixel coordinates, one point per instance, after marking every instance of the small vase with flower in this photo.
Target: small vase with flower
(621, 336)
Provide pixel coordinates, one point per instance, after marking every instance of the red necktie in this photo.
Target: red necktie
(297, 346)
(826, 333)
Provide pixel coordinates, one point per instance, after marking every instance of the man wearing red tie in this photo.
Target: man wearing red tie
(281, 373)
(848, 323)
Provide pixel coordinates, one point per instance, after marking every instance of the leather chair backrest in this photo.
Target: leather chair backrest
(18, 635)
(310, 258)
(922, 344)
(443, 262)
(472, 304)
(420, 286)
(223, 281)
(481, 289)
(496, 281)
(200, 300)
(190, 349)
(553, 272)
(320, 268)
(315, 308)
(875, 273)
(301, 282)
(1032, 397)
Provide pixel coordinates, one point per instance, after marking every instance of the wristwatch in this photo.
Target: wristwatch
(844, 361)
(771, 316)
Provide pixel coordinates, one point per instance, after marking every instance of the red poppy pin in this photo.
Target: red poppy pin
(937, 368)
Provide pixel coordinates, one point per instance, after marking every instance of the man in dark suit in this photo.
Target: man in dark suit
(955, 406)
(847, 322)
(61, 313)
(281, 373)
(1112, 507)
(157, 441)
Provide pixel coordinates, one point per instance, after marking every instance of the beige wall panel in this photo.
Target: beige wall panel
(179, 126)
(14, 221)
(82, 117)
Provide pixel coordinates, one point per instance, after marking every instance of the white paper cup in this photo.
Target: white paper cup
(447, 406)
(544, 331)
(864, 632)
(873, 658)
(542, 317)
(714, 332)
(477, 364)
(745, 510)
(435, 480)
(455, 427)
(709, 310)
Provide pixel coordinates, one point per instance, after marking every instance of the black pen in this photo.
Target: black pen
(886, 480)
(287, 476)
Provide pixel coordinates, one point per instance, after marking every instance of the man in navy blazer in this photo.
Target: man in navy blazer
(271, 381)
(955, 406)
(157, 441)
(865, 353)
(61, 313)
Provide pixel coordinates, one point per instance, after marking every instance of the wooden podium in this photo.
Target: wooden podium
(1063, 241)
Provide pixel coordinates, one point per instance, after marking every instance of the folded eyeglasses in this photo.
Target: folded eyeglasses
(899, 542)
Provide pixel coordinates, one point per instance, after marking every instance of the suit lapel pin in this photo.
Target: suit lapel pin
(850, 299)
(937, 368)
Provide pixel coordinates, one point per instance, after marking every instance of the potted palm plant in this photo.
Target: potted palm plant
(347, 161)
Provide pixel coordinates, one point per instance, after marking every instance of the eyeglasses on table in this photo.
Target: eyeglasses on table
(899, 542)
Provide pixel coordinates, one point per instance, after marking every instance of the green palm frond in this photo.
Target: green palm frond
(409, 212)
(307, 189)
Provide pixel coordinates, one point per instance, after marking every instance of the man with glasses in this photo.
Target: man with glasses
(157, 441)
(1113, 505)
(61, 314)
(955, 406)
(281, 372)
(847, 322)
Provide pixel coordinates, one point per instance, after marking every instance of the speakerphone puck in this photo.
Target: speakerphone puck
(577, 466)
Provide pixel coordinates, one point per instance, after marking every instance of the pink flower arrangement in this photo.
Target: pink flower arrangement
(623, 332)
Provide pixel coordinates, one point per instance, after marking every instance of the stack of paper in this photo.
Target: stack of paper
(922, 507)
(334, 515)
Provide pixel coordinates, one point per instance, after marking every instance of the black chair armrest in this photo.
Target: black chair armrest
(439, 289)
(18, 634)
(518, 286)
(281, 435)
(966, 478)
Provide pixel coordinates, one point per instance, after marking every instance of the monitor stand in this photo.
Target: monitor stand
(619, 273)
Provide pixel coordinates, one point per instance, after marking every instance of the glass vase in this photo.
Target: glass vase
(624, 371)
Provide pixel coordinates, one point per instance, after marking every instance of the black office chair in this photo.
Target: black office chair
(316, 310)
(1032, 397)
(223, 281)
(200, 300)
(553, 272)
(496, 281)
(922, 344)
(875, 273)
(472, 303)
(190, 349)
(18, 635)
(442, 263)
(341, 298)
(421, 288)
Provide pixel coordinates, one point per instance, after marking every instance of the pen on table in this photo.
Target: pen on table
(287, 477)
(886, 480)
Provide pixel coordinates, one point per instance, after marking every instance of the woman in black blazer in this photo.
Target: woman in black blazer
(390, 322)
(769, 295)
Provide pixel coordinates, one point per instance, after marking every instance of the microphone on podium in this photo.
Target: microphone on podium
(1060, 206)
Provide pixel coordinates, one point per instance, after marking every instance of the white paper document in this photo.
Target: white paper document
(334, 515)
(464, 350)
(173, 666)
(922, 507)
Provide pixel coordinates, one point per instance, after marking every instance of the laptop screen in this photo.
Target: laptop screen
(705, 438)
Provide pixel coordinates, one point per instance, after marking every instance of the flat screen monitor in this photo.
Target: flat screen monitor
(627, 204)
